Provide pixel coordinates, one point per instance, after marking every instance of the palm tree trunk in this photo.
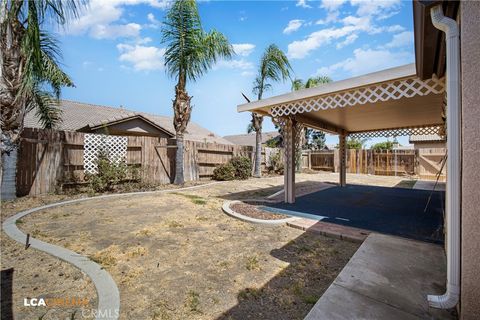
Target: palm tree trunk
(258, 153)
(182, 111)
(257, 125)
(179, 172)
(11, 72)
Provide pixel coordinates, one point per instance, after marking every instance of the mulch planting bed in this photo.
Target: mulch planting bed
(253, 211)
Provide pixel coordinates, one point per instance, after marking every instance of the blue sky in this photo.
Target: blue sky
(114, 53)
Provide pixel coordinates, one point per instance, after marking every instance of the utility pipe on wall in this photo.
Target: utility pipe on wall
(450, 298)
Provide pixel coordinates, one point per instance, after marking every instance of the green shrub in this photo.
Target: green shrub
(243, 167)
(225, 172)
(276, 163)
(383, 146)
(108, 174)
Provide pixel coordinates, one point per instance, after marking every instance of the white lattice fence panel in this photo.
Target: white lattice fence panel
(394, 90)
(115, 147)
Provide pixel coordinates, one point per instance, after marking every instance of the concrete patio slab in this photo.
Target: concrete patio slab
(330, 230)
(387, 278)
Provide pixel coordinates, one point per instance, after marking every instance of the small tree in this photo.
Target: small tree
(383, 146)
(352, 143)
(314, 139)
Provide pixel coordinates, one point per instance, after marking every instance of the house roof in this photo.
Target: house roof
(77, 116)
(124, 118)
(249, 139)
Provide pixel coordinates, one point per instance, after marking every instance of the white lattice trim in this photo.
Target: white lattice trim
(394, 90)
(431, 130)
(114, 146)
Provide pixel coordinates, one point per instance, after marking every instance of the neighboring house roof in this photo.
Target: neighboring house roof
(249, 139)
(77, 116)
(123, 118)
(426, 138)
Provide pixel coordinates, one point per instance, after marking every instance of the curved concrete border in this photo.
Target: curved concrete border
(107, 290)
(226, 208)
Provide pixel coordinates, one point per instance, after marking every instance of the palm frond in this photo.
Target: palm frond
(297, 84)
(190, 51)
(274, 66)
(40, 75)
(47, 109)
(316, 81)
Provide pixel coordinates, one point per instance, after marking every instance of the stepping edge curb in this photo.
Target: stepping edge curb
(226, 208)
(107, 290)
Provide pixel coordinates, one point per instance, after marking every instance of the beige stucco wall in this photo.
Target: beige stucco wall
(470, 55)
(429, 145)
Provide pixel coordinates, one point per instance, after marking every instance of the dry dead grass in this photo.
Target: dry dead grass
(177, 256)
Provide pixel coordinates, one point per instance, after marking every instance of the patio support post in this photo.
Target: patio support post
(289, 134)
(343, 160)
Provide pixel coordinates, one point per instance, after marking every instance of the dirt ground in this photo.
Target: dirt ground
(177, 256)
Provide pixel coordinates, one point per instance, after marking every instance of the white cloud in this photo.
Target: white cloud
(348, 40)
(243, 49)
(368, 11)
(143, 58)
(241, 64)
(368, 60)
(380, 8)
(303, 4)
(114, 31)
(332, 7)
(401, 40)
(101, 19)
(293, 25)
(247, 73)
(154, 23)
(301, 48)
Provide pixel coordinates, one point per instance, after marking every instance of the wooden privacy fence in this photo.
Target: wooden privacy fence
(424, 163)
(48, 159)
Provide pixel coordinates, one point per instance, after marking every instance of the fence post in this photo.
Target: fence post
(310, 159)
(395, 159)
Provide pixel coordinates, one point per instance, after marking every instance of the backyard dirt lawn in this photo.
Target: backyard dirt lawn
(178, 256)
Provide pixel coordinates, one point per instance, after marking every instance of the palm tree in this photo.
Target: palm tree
(190, 53)
(313, 139)
(297, 84)
(274, 66)
(30, 77)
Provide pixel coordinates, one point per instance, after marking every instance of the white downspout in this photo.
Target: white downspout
(450, 27)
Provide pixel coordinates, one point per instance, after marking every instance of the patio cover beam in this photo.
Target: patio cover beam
(391, 99)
